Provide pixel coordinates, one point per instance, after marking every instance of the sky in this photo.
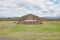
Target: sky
(19, 8)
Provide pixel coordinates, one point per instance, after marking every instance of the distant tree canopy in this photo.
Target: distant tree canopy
(16, 19)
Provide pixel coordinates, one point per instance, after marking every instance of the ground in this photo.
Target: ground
(49, 30)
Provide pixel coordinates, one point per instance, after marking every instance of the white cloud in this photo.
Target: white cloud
(21, 7)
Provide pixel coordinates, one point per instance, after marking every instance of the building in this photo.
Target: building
(30, 19)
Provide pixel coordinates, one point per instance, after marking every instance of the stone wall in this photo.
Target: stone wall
(30, 17)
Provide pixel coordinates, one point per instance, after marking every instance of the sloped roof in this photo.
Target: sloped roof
(30, 17)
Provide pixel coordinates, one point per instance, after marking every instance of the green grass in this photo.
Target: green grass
(49, 29)
(47, 26)
(4, 22)
(35, 28)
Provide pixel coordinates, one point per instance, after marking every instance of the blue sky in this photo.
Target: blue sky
(23, 7)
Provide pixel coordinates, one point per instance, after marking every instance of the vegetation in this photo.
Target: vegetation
(48, 30)
(5, 22)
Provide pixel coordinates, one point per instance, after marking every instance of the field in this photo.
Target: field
(49, 30)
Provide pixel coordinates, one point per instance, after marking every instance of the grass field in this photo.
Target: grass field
(4, 22)
(49, 30)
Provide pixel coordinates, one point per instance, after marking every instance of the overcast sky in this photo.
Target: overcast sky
(22, 7)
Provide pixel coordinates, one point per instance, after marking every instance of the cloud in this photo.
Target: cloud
(55, 1)
(22, 7)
